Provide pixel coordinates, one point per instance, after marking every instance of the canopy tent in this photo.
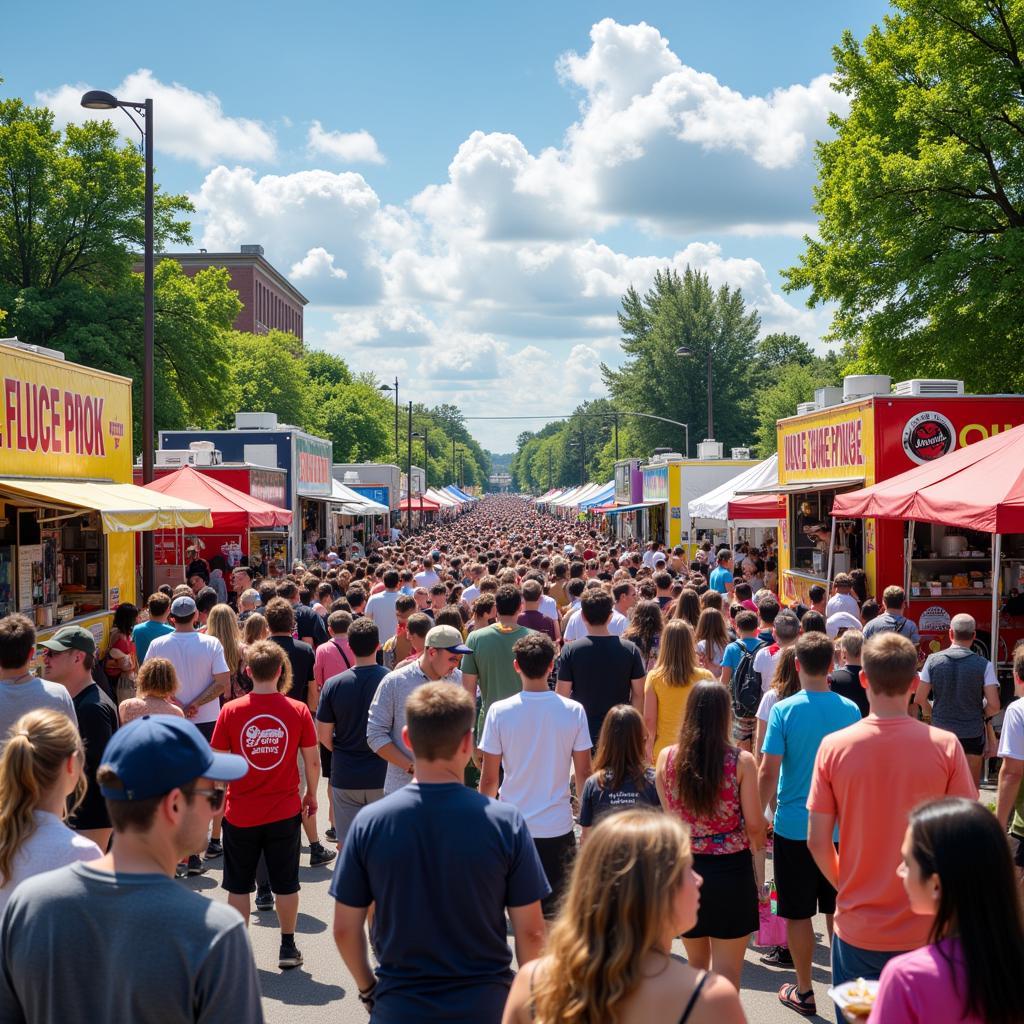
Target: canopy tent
(760, 510)
(123, 508)
(457, 492)
(605, 495)
(566, 496)
(419, 503)
(441, 498)
(230, 508)
(616, 509)
(979, 487)
(550, 496)
(353, 503)
(581, 494)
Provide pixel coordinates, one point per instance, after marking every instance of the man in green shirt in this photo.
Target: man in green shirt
(490, 663)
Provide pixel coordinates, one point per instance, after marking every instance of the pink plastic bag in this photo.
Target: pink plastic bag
(772, 930)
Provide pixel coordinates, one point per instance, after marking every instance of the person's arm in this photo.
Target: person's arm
(581, 766)
(391, 753)
(469, 683)
(991, 700)
(529, 931)
(212, 692)
(350, 938)
(650, 720)
(311, 760)
(750, 802)
(726, 674)
(489, 774)
(659, 775)
(820, 829)
(1011, 771)
(760, 728)
(636, 693)
(325, 733)
(921, 699)
(519, 1005)
(768, 777)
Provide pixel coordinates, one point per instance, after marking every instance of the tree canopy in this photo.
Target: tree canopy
(920, 195)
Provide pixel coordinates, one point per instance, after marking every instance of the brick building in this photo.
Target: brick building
(269, 300)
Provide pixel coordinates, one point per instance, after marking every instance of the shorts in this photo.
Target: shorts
(852, 962)
(347, 803)
(556, 857)
(1017, 849)
(975, 745)
(278, 841)
(803, 889)
(728, 896)
(325, 762)
(743, 729)
(206, 728)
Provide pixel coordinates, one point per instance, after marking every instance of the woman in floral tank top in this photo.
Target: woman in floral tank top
(712, 787)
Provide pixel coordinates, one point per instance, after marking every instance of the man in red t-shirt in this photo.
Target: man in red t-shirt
(264, 812)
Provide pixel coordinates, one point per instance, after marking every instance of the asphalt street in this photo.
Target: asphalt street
(322, 991)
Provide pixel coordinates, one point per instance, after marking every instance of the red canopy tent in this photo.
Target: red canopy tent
(979, 487)
(230, 508)
(757, 507)
(418, 504)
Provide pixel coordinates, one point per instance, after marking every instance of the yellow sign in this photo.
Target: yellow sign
(835, 444)
(63, 420)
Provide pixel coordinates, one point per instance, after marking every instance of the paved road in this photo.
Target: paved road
(322, 991)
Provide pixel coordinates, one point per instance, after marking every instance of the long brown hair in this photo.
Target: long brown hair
(37, 747)
(711, 629)
(687, 606)
(614, 912)
(677, 655)
(785, 678)
(700, 750)
(620, 749)
(645, 625)
(223, 625)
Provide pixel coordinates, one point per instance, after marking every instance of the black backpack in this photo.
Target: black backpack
(746, 683)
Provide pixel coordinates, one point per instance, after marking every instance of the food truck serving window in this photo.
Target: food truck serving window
(811, 527)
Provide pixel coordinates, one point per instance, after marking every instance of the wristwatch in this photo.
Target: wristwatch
(366, 995)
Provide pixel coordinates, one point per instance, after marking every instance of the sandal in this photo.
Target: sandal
(804, 1005)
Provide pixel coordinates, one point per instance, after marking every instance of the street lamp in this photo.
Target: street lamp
(96, 99)
(388, 387)
(426, 456)
(684, 351)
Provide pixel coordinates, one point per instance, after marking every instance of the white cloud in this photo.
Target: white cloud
(348, 147)
(188, 125)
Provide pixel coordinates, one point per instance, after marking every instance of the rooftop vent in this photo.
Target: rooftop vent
(805, 407)
(824, 398)
(865, 385)
(741, 453)
(709, 449)
(255, 421)
(929, 388)
(252, 250)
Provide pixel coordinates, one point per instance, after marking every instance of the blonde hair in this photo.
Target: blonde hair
(38, 744)
(222, 624)
(613, 914)
(255, 628)
(156, 678)
(711, 629)
(677, 653)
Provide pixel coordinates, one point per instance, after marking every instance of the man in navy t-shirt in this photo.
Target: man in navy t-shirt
(357, 773)
(442, 863)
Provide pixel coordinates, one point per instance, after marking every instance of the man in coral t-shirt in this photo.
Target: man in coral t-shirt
(264, 811)
(869, 777)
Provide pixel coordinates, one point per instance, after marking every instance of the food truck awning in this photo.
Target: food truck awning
(716, 503)
(123, 508)
(418, 504)
(632, 508)
(230, 508)
(804, 485)
(980, 487)
(757, 510)
(353, 503)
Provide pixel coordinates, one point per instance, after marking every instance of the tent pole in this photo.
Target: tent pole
(908, 554)
(831, 551)
(997, 555)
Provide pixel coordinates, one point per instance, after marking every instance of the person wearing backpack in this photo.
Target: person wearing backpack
(743, 682)
(892, 620)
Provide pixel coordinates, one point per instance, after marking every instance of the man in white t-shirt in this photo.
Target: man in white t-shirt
(843, 600)
(624, 595)
(427, 577)
(537, 736)
(786, 629)
(199, 662)
(381, 606)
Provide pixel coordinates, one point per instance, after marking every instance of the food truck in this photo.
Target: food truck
(259, 440)
(68, 508)
(868, 433)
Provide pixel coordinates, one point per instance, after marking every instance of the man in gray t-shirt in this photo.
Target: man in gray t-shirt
(156, 952)
(21, 691)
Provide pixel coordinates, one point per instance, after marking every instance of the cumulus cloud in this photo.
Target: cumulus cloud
(348, 147)
(189, 125)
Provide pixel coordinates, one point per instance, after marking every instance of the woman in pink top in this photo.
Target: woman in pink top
(712, 786)
(957, 870)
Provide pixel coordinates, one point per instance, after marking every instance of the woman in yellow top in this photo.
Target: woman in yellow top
(669, 684)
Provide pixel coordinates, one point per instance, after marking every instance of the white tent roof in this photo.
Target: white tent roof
(715, 504)
(353, 503)
(443, 498)
(580, 494)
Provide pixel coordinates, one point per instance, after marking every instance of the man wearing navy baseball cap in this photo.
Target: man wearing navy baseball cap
(189, 957)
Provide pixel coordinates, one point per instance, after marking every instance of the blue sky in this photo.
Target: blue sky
(464, 189)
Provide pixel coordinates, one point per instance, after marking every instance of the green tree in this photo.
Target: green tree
(793, 383)
(359, 422)
(71, 203)
(685, 311)
(920, 195)
(777, 350)
(268, 374)
(326, 369)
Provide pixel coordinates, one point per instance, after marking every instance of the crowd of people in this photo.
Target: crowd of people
(525, 728)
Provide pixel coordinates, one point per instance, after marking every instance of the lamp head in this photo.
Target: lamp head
(97, 99)
(683, 350)
(385, 387)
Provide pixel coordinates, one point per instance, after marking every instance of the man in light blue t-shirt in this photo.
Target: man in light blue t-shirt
(796, 728)
(159, 607)
(721, 575)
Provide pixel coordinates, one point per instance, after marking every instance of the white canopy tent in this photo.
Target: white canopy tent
(714, 505)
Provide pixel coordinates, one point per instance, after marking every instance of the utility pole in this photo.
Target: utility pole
(408, 485)
(616, 437)
(550, 478)
(453, 459)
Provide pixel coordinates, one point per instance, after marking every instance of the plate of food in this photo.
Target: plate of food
(855, 998)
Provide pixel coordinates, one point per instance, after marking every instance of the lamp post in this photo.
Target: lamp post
(453, 460)
(388, 387)
(683, 351)
(408, 479)
(422, 437)
(96, 99)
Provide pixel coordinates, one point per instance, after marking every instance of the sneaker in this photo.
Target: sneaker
(289, 956)
(319, 854)
(331, 835)
(264, 900)
(214, 849)
(777, 956)
(195, 865)
(181, 869)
